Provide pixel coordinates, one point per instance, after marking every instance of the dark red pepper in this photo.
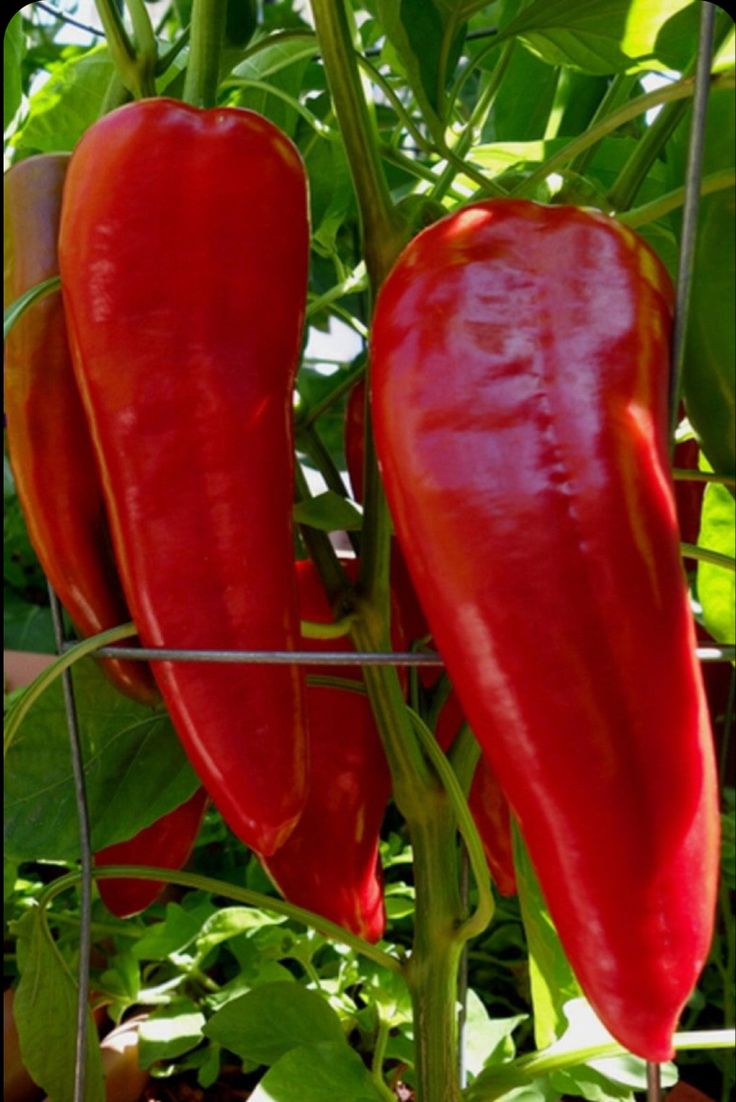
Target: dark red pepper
(519, 394)
(183, 248)
(330, 863)
(165, 844)
(49, 445)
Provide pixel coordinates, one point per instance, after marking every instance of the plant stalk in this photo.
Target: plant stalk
(207, 34)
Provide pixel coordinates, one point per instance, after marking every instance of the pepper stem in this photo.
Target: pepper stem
(205, 44)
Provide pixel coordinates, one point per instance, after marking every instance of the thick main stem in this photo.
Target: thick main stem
(432, 972)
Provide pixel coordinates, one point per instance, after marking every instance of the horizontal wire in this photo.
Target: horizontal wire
(322, 658)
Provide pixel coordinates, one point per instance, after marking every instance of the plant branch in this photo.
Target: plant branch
(206, 38)
(657, 208)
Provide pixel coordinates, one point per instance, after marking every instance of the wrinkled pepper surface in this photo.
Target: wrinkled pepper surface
(183, 253)
(330, 862)
(519, 394)
(49, 444)
(165, 844)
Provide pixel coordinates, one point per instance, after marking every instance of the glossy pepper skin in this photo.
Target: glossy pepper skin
(330, 862)
(165, 844)
(520, 362)
(184, 247)
(49, 445)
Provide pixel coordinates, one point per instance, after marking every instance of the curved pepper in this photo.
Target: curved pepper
(330, 862)
(165, 844)
(183, 249)
(49, 445)
(519, 391)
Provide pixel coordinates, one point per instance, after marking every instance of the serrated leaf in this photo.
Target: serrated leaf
(606, 37)
(328, 512)
(45, 1011)
(318, 1073)
(716, 585)
(134, 766)
(273, 1019)
(170, 1032)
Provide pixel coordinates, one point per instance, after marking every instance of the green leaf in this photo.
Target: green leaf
(716, 586)
(487, 1040)
(271, 1020)
(179, 930)
(27, 627)
(230, 922)
(170, 1032)
(606, 37)
(318, 1073)
(45, 1010)
(13, 50)
(416, 30)
(135, 770)
(329, 513)
(552, 981)
(270, 59)
(66, 105)
(524, 100)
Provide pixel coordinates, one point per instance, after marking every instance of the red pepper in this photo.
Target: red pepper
(165, 844)
(183, 248)
(519, 392)
(330, 863)
(49, 445)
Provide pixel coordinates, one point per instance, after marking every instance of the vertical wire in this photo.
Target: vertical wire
(654, 1082)
(85, 937)
(693, 173)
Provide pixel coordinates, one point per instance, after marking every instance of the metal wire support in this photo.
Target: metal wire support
(654, 1082)
(85, 918)
(712, 653)
(693, 174)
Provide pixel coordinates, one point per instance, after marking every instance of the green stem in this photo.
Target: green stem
(657, 208)
(145, 46)
(342, 388)
(17, 713)
(230, 891)
(432, 971)
(33, 294)
(478, 921)
(652, 142)
(355, 281)
(321, 551)
(684, 474)
(379, 1053)
(619, 90)
(382, 227)
(207, 33)
(120, 47)
(320, 455)
(338, 630)
(681, 89)
(704, 554)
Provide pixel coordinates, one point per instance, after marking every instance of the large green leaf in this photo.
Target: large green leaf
(45, 1010)
(426, 37)
(66, 105)
(135, 770)
(271, 1020)
(605, 37)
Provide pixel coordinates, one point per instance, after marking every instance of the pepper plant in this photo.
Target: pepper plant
(159, 433)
